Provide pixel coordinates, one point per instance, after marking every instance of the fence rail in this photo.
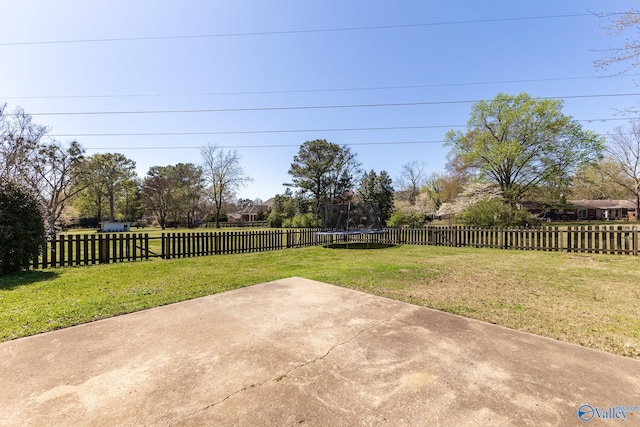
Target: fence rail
(92, 249)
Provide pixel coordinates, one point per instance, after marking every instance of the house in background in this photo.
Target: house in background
(604, 209)
(250, 213)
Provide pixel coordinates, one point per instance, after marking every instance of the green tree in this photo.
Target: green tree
(594, 182)
(324, 170)
(284, 208)
(129, 201)
(156, 190)
(377, 190)
(519, 143)
(104, 177)
(21, 228)
(187, 181)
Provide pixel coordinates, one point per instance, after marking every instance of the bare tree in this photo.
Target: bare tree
(411, 180)
(223, 175)
(51, 171)
(43, 165)
(624, 149)
(19, 137)
(621, 24)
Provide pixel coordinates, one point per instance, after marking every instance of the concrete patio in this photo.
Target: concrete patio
(299, 352)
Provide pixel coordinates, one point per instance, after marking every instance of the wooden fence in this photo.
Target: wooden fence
(89, 249)
(179, 245)
(106, 248)
(588, 239)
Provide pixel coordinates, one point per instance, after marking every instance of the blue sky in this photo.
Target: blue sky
(255, 55)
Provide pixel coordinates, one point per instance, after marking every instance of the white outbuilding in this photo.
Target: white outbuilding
(108, 226)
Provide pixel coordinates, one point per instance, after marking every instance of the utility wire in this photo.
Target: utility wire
(304, 107)
(266, 131)
(271, 131)
(253, 146)
(354, 89)
(288, 32)
(258, 146)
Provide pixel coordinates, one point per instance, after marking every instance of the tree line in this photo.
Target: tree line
(74, 188)
(515, 149)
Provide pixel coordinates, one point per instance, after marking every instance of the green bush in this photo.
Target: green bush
(415, 220)
(274, 220)
(496, 213)
(306, 220)
(21, 229)
(397, 220)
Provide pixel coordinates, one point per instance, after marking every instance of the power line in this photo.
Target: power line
(354, 89)
(258, 146)
(156, 147)
(265, 131)
(272, 131)
(304, 107)
(288, 32)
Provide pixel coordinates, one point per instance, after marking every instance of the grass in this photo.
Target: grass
(591, 300)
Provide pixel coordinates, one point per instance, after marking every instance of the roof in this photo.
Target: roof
(603, 204)
(254, 209)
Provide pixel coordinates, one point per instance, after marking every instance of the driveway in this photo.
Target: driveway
(296, 352)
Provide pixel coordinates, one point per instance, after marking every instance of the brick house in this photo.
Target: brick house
(604, 209)
(250, 213)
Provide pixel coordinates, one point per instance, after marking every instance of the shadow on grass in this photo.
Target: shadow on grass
(359, 245)
(23, 278)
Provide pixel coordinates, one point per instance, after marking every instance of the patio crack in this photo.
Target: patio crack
(300, 366)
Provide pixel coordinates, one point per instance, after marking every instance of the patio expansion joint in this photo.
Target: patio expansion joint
(300, 366)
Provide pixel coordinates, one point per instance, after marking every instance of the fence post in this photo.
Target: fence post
(103, 249)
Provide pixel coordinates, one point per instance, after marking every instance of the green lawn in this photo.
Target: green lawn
(591, 300)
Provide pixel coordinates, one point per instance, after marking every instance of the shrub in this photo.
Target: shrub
(400, 219)
(397, 220)
(306, 220)
(21, 229)
(496, 213)
(415, 220)
(274, 220)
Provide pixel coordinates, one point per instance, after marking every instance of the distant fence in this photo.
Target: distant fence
(590, 239)
(237, 224)
(107, 248)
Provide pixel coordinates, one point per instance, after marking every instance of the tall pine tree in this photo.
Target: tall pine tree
(378, 190)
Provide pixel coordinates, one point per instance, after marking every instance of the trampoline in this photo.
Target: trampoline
(350, 219)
